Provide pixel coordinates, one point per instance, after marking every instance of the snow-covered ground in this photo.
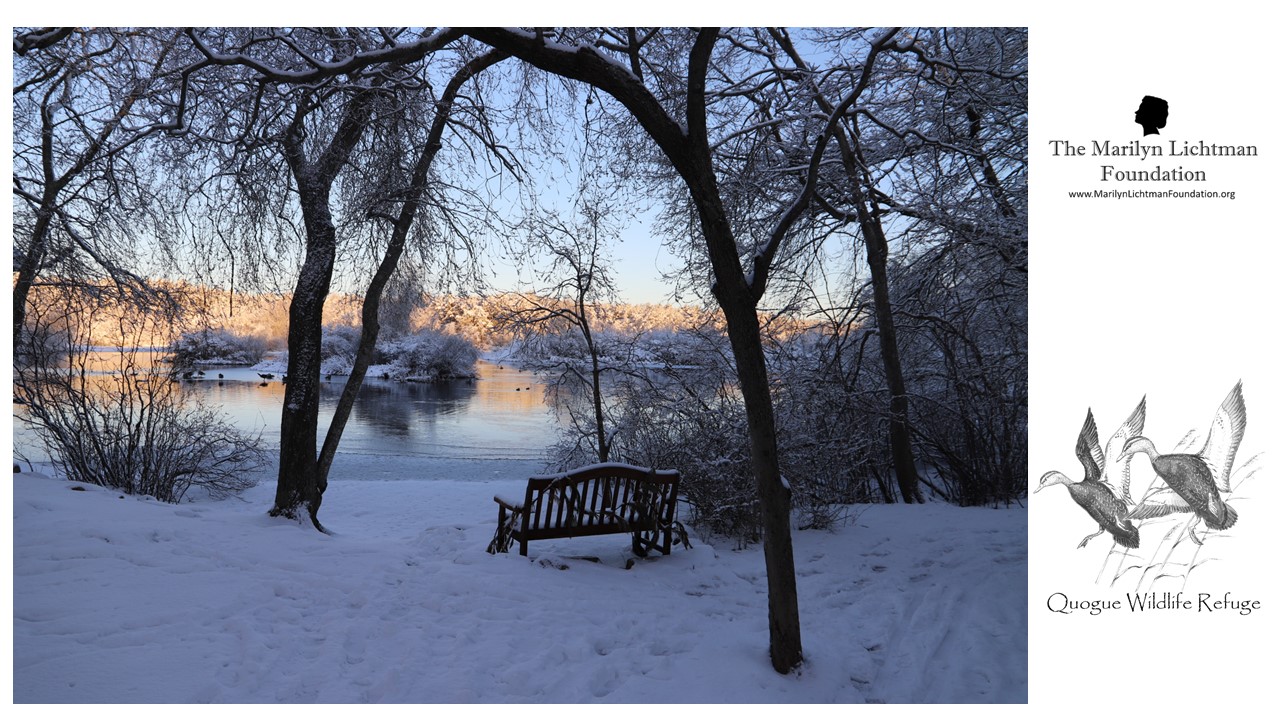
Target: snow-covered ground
(124, 599)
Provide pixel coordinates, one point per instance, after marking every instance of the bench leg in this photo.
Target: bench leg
(500, 539)
(646, 540)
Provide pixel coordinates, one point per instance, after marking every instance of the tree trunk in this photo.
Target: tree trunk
(28, 269)
(904, 465)
(597, 399)
(299, 482)
(601, 445)
(877, 258)
(785, 650)
(369, 329)
(737, 300)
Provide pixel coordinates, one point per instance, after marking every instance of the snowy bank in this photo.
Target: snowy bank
(131, 600)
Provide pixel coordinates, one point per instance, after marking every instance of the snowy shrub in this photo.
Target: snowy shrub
(674, 403)
(216, 347)
(340, 341)
(684, 412)
(425, 356)
(825, 436)
(132, 428)
(706, 441)
(338, 346)
(684, 348)
(547, 352)
(688, 418)
(967, 370)
(428, 355)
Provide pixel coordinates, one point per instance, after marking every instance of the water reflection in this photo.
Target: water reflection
(500, 415)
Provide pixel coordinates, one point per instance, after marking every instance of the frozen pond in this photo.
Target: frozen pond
(501, 415)
(499, 421)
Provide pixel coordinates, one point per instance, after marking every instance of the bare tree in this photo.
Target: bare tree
(299, 484)
(574, 282)
(338, 88)
(965, 294)
(869, 220)
(928, 178)
(84, 99)
(653, 75)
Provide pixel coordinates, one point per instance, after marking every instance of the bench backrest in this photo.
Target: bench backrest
(600, 498)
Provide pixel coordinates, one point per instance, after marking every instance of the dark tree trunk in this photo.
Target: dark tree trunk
(28, 269)
(33, 258)
(992, 180)
(369, 329)
(774, 492)
(597, 398)
(877, 258)
(602, 445)
(300, 483)
(737, 299)
(904, 465)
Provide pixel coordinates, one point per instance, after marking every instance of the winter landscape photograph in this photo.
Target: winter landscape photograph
(522, 365)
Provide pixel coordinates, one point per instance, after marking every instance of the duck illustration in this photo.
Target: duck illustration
(1094, 493)
(1197, 480)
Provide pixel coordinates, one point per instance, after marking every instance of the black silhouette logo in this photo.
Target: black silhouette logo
(1151, 115)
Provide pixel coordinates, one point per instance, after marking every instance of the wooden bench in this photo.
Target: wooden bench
(593, 500)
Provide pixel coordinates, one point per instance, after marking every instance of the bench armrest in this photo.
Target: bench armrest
(508, 503)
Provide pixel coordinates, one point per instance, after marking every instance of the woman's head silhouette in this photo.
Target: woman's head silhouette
(1151, 115)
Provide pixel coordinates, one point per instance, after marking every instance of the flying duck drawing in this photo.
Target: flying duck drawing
(1196, 481)
(1107, 506)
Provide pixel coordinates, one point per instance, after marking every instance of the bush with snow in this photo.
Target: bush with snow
(677, 406)
(216, 347)
(428, 355)
(135, 430)
(425, 356)
(338, 346)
